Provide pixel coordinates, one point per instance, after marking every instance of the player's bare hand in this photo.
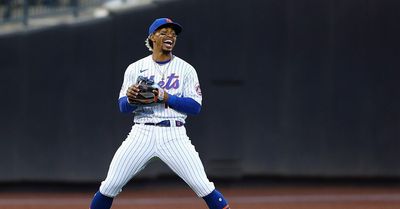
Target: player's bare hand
(132, 92)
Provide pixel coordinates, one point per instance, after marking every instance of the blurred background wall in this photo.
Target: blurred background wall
(290, 88)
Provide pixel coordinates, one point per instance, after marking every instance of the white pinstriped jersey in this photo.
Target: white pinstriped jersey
(177, 77)
(170, 144)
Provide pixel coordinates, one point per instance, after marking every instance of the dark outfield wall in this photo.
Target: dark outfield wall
(291, 88)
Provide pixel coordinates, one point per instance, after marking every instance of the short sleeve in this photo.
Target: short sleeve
(129, 79)
(192, 85)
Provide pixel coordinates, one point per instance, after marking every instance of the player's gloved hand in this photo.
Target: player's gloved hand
(141, 94)
(145, 92)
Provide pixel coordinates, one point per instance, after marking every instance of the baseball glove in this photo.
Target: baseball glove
(148, 92)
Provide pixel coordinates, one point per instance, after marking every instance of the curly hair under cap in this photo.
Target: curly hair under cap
(149, 43)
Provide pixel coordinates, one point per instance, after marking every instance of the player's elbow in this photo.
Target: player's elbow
(196, 108)
(123, 109)
(124, 106)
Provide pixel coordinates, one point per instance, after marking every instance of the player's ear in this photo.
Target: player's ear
(152, 37)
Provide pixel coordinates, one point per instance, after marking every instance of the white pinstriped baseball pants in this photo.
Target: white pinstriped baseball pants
(170, 144)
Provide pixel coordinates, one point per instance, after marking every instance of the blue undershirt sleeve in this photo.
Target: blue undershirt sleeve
(184, 104)
(124, 105)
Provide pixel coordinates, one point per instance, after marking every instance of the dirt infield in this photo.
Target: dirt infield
(285, 197)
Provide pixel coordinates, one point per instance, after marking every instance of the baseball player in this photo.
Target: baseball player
(160, 90)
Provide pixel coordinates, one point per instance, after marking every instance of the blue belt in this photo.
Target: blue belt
(164, 123)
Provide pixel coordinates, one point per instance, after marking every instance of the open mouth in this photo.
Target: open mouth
(168, 43)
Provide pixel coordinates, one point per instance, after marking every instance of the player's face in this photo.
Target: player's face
(164, 39)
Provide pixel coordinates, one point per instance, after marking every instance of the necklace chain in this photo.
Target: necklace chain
(162, 71)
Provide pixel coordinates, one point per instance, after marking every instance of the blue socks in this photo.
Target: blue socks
(101, 202)
(215, 200)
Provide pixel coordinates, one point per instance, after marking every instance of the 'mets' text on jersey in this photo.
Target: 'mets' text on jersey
(177, 77)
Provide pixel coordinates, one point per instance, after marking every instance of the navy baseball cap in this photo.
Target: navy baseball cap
(163, 22)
